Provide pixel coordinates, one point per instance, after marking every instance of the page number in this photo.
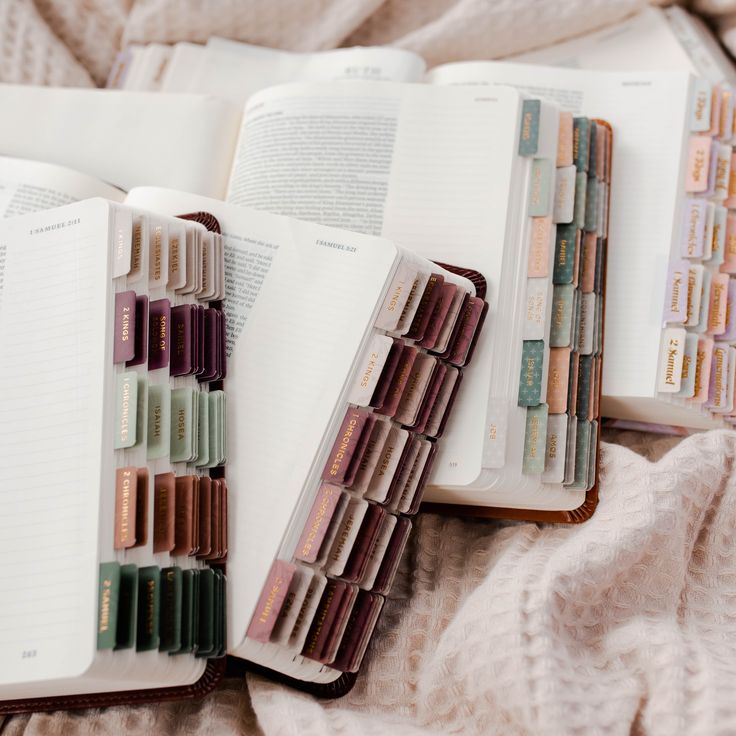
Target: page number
(28, 653)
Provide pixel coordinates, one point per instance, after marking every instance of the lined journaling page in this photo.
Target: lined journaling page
(53, 299)
(299, 302)
(648, 112)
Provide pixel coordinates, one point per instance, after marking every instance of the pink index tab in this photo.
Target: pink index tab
(675, 301)
(702, 369)
(715, 111)
(698, 163)
(272, 598)
(693, 228)
(122, 241)
(541, 231)
(729, 333)
(397, 297)
(718, 303)
(345, 446)
(722, 171)
(694, 293)
(124, 331)
(718, 388)
(564, 144)
(729, 255)
(319, 519)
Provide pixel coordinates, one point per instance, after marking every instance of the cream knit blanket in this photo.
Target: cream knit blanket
(626, 624)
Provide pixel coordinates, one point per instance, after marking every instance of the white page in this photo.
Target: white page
(655, 39)
(182, 66)
(428, 167)
(50, 451)
(292, 350)
(27, 186)
(648, 112)
(236, 70)
(124, 138)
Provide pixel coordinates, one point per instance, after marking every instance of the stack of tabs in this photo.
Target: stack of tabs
(562, 349)
(169, 442)
(697, 360)
(323, 595)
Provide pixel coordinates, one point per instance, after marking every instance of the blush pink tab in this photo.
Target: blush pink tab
(698, 160)
(539, 246)
(319, 519)
(272, 599)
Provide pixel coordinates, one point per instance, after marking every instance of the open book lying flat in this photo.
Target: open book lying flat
(488, 180)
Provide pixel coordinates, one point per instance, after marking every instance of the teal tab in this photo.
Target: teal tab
(203, 431)
(582, 456)
(591, 203)
(540, 188)
(530, 380)
(585, 377)
(535, 440)
(171, 609)
(581, 143)
(126, 403)
(128, 608)
(593, 149)
(187, 613)
(159, 421)
(149, 583)
(529, 134)
(562, 316)
(566, 243)
(108, 597)
(182, 424)
(581, 186)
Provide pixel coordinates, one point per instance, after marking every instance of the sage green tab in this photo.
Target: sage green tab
(535, 440)
(159, 421)
(562, 316)
(186, 632)
(128, 607)
(581, 185)
(108, 597)
(141, 417)
(149, 584)
(540, 188)
(565, 247)
(530, 380)
(529, 133)
(206, 639)
(126, 405)
(580, 143)
(203, 431)
(585, 378)
(171, 609)
(182, 424)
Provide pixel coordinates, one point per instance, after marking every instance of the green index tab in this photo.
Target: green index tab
(566, 243)
(141, 423)
(159, 421)
(585, 378)
(126, 405)
(582, 456)
(529, 134)
(206, 638)
(581, 143)
(530, 380)
(128, 607)
(188, 622)
(108, 597)
(203, 430)
(171, 609)
(581, 186)
(535, 440)
(182, 424)
(591, 204)
(149, 583)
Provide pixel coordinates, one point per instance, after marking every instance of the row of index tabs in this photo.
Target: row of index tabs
(172, 610)
(696, 362)
(324, 593)
(561, 353)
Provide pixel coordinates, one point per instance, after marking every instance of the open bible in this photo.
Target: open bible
(493, 181)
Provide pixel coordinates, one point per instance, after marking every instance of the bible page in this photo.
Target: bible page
(299, 301)
(431, 168)
(236, 70)
(124, 138)
(27, 186)
(649, 114)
